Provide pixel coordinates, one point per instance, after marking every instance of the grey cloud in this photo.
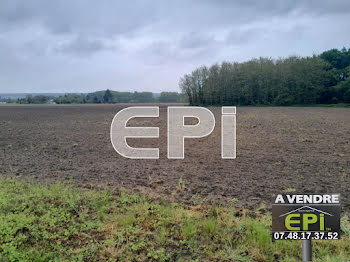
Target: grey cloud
(243, 36)
(134, 42)
(270, 8)
(83, 46)
(196, 40)
(65, 16)
(117, 17)
(186, 49)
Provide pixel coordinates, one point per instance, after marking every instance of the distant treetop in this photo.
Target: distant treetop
(321, 79)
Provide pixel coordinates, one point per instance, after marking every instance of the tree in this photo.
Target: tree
(29, 99)
(285, 81)
(169, 97)
(96, 100)
(107, 98)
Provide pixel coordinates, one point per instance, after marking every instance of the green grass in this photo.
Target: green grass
(63, 223)
(289, 190)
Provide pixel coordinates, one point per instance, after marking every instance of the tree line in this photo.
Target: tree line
(318, 79)
(101, 97)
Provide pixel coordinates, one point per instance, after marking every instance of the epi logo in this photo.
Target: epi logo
(177, 130)
(306, 216)
(297, 220)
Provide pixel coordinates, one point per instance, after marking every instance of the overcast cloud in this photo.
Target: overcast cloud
(84, 46)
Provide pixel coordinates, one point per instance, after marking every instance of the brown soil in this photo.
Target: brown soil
(278, 148)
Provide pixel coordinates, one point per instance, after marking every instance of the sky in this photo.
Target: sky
(88, 45)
